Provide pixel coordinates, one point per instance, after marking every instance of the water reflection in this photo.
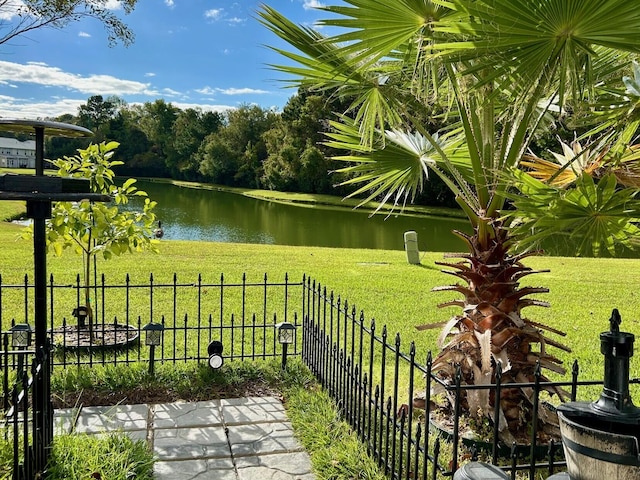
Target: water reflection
(196, 214)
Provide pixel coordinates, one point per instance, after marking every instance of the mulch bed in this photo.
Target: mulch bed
(109, 335)
(158, 394)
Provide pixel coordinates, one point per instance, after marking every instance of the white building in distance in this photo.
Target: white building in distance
(17, 154)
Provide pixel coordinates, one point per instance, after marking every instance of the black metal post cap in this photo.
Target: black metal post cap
(615, 343)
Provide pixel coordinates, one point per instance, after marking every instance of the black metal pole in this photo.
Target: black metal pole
(39, 150)
(39, 200)
(39, 211)
(284, 355)
(152, 358)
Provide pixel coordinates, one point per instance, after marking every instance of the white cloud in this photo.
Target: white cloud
(241, 91)
(149, 74)
(213, 14)
(11, 107)
(230, 91)
(41, 74)
(310, 4)
(205, 107)
(84, 34)
(170, 3)
(171, 92)
(206, 91)
(218, 14)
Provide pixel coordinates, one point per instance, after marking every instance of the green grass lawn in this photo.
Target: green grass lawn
(12, 209)
(381, 283)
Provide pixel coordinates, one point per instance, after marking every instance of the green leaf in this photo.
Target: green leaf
(597, 218)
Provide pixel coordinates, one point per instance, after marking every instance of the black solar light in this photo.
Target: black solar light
(153, 338)
(286, 336)
(153, 334)
(21, 335)
(215, 349)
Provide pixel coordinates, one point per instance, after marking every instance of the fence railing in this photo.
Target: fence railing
(28, 413)
(374, 377)
(241, 315)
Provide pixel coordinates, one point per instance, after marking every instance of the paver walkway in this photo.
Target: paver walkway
(230, 439)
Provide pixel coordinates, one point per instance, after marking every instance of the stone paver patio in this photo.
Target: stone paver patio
(230, 439)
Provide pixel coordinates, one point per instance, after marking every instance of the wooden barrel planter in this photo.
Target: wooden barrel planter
(593, 453)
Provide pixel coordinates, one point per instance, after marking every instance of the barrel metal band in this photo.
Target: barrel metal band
(600, 455)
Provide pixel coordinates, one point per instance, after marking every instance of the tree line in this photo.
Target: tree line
(250, 146)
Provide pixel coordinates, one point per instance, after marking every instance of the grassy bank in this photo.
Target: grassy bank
(12, 210)
(309, 200)
(381, 283)
(316, 200)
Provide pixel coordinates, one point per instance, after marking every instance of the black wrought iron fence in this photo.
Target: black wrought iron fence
(27, 410)
(241, 315)
(374, 377)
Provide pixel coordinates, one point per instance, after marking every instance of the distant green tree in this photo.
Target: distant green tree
(97, 112)
(133, 143)
(296, 160)
(190, 128)
(235, 153)
(58, 147)
(282, 165)
(314, 170)
(156, 120)
(218, 162)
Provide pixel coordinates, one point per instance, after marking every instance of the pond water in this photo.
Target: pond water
(196, 214)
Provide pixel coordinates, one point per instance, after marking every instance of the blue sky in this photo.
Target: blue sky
(192, 53)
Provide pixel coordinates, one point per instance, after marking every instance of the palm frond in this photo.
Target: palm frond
(596, 217)
(522, 39)
(396, 171)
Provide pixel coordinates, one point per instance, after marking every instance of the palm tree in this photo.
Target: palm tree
(496, 73)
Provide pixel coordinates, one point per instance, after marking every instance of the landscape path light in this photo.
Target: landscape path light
(153, 339)
(21, 340)
(286, 336)
(21, 335)
(215, 349)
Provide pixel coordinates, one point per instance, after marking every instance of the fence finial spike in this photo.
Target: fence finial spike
(615, 321)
